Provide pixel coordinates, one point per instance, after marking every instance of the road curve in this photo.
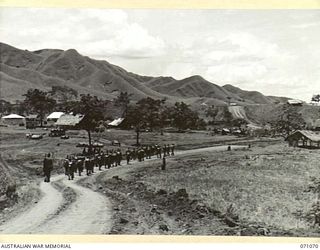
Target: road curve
(90, 213)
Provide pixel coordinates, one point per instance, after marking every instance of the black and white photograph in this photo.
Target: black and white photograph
(193, 122)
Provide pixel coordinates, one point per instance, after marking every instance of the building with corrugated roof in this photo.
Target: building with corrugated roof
(304, 138)
(53, 117)
(14, 120)
(69, 121)
(295, 102)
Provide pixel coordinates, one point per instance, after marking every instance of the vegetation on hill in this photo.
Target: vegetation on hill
(44, 69)
(66, 75)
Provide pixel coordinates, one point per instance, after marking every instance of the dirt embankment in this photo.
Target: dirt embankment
(18, 190)
(8, 186)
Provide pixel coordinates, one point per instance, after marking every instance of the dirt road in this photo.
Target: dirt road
(88, 214)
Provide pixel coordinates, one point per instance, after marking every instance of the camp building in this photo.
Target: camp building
(32, 121)
(53, 117)
(13, 120)
(304, 138)
(68, 121)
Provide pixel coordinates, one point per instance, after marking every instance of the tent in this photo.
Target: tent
(116, 122)
(295, 102)
(14, 119)
(54, 116)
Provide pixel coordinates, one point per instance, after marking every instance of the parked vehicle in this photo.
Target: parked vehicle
(57, 132)
(36, 137)
(115, 143)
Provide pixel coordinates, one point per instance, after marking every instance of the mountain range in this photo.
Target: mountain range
(21, 70)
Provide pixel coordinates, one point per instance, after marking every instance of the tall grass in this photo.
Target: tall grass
(268, 188)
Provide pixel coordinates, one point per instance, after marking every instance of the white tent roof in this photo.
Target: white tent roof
(13, 116)
(116, 122)
(55, 115)
(295, 101)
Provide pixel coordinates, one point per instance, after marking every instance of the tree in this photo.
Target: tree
(5, 107)
(229, 99)
(182, 117)
(289, 119)
(123, 100)
(93, 110)
(63, 94)
(212, 112)
(316, 98)
(228, 117)
(135, 119)
(152, 109)
(39, 102)
(238, 122)
(147, 113)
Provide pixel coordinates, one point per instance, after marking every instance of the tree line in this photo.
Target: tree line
(145, 114)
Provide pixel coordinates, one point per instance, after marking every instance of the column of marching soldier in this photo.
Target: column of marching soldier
(112, 158)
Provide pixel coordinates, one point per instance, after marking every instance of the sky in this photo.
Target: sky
(276, 52)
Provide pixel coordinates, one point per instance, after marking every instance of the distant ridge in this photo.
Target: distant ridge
(21, 70)
(255, 96)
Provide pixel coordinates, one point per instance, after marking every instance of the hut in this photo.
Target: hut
(14, 120)
(304, 138)
(116, 122)
(295, 102)
(32, 121)
(68, 121)
(53, 118)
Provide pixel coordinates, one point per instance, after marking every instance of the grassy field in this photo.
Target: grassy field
(27, 155)
(265, 185)
(15, 145)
